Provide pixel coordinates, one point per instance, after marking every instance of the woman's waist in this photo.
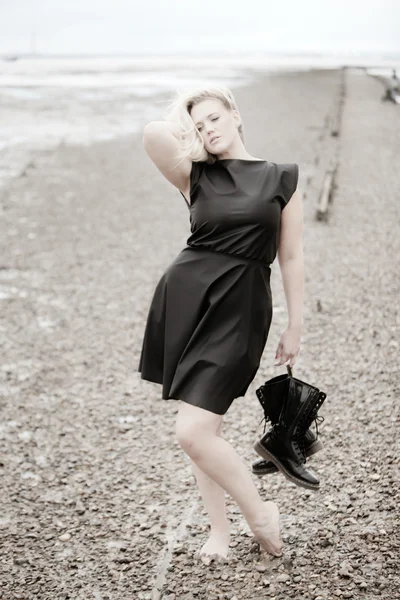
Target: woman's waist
(226, 253)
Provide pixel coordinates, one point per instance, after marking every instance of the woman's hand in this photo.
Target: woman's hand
(288, 347)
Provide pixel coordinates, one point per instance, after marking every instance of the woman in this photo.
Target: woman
(211, 311)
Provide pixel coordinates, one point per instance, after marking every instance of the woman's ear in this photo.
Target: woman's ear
(236, 116)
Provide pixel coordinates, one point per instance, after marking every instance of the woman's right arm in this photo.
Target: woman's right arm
(161, 142)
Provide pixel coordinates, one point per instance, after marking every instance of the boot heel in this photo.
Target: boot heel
(315, 447)
(259, 448)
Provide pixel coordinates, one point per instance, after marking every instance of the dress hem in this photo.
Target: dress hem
(169, 397)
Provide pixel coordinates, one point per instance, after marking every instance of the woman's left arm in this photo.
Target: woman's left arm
(291, 262)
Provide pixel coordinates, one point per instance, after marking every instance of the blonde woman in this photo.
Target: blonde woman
(211, 311)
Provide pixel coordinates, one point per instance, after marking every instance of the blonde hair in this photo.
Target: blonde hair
(191, 142)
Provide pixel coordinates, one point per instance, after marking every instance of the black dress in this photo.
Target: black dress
(211, 310)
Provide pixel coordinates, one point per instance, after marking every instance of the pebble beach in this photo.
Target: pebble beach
(98, 499)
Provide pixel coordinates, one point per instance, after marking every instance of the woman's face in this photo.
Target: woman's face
(217, 125)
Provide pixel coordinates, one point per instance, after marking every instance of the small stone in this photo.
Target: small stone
(65, 537)
(283, 577)
(261, 568)
(25, 436)
(80, 509)
(345, 569)
(287, 563)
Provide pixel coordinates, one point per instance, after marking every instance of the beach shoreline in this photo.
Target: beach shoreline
(35, 120)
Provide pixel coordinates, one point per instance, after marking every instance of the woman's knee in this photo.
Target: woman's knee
(194, 425)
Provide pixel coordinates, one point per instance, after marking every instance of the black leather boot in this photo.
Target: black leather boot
(312, 445)
(284, 444)
(270, 397)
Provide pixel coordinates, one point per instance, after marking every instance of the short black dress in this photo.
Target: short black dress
(211, 311)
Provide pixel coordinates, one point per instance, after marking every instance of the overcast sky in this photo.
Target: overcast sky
(171, 26)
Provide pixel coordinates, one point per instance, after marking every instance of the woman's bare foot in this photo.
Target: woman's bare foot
(266, 529)
(217, 543)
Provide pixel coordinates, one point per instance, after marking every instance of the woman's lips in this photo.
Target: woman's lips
(215, 140)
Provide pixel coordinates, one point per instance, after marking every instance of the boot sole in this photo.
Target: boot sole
(264, 472)
(270, 457)
(313, 449)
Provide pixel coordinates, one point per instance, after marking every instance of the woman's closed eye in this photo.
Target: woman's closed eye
(216, 119)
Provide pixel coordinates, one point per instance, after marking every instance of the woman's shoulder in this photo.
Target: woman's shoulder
(287, 179)
(285, 170)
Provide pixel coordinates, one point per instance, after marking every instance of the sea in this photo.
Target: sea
(49, 100)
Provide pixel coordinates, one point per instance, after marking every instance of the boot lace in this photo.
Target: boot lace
(300, 448)
(266, 420)
(298, 442)
(312, 415)
(318, 419)
(305, 421)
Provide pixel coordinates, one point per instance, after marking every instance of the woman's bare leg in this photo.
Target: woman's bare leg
(214, 501)
(196, 431)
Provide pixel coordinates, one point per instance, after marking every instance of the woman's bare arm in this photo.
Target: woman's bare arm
(291, 260)
(161, 142)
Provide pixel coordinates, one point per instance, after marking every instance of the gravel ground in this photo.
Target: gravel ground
(98, 498)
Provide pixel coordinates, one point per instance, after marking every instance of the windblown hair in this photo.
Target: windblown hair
(179, 111)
